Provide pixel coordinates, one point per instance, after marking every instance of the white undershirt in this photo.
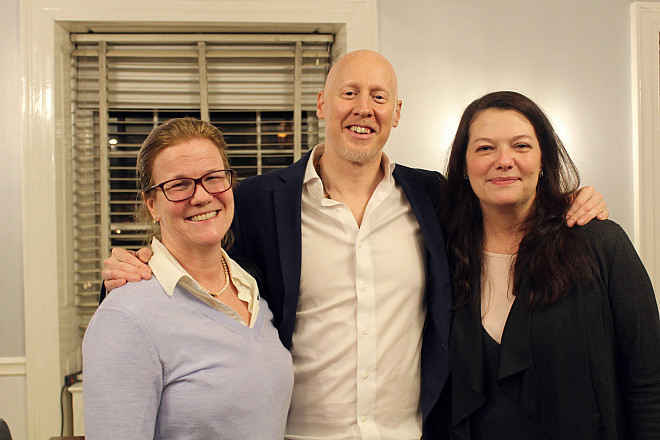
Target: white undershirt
(358, 334)
(496, 293)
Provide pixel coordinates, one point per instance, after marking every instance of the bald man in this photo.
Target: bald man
(355, 269)
(355, 264)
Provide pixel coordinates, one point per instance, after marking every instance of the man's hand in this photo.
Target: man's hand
(124, 265)
(587, 204)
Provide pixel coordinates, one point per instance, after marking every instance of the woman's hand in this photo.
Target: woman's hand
(587, 204)
(124, 265)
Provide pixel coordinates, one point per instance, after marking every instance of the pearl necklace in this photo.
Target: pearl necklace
(226, 271)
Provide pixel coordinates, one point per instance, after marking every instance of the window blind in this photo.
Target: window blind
(260, 90)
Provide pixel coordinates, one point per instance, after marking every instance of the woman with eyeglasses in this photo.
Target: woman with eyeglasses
(191, 353)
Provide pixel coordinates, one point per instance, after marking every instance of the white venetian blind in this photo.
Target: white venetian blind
(260, 90)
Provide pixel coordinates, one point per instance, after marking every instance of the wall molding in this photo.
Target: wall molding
(646, 134)
(13, 366)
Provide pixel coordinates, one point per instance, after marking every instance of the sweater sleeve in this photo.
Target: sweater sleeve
(635, 315)
(122, 378)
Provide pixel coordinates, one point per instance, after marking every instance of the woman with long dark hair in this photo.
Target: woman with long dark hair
(556, 332)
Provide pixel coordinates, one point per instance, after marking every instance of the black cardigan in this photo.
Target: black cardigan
(587, 367)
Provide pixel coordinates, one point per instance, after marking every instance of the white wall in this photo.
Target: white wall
(12, 339)
(572, 57)
(12, 334)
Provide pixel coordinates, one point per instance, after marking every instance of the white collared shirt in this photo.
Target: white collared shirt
(169, 273)
(358, 334)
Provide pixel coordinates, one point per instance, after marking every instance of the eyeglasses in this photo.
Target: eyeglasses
(178, 190)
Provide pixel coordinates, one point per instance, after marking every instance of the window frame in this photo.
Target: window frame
(124, 85)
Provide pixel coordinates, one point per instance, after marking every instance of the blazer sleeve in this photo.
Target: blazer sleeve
(637, 331)
(103, 293)
(123, 379)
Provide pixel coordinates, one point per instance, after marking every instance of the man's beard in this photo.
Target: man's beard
(360, 156)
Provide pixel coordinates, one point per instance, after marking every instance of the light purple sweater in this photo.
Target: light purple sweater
(175, 368)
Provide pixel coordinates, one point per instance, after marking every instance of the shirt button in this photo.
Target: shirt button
(359, 245)
(338, 209)
(365, 376)
(366, 331)
(365, 287)
(363, 418)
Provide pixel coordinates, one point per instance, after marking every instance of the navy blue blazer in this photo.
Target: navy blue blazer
(267, 230)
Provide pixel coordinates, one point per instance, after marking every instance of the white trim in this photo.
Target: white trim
(12, 366)
(39, 241)
(78, 408)
(43, 22)
(646, 133)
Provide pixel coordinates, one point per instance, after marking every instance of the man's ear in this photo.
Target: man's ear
(320, 101)
(397, 113)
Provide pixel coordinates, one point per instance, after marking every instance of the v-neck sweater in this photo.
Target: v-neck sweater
(166, 367)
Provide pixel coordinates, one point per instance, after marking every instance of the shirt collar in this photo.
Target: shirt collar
(166, 268)
(311, 175)
(169, 273)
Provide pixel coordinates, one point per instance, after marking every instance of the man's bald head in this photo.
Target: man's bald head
(367, 59)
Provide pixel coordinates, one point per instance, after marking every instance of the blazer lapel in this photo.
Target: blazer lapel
(422, 191)
(287, 203)
(423, 208)
(466, 363)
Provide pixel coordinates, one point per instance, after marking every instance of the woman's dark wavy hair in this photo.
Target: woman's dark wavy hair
(551, 255)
